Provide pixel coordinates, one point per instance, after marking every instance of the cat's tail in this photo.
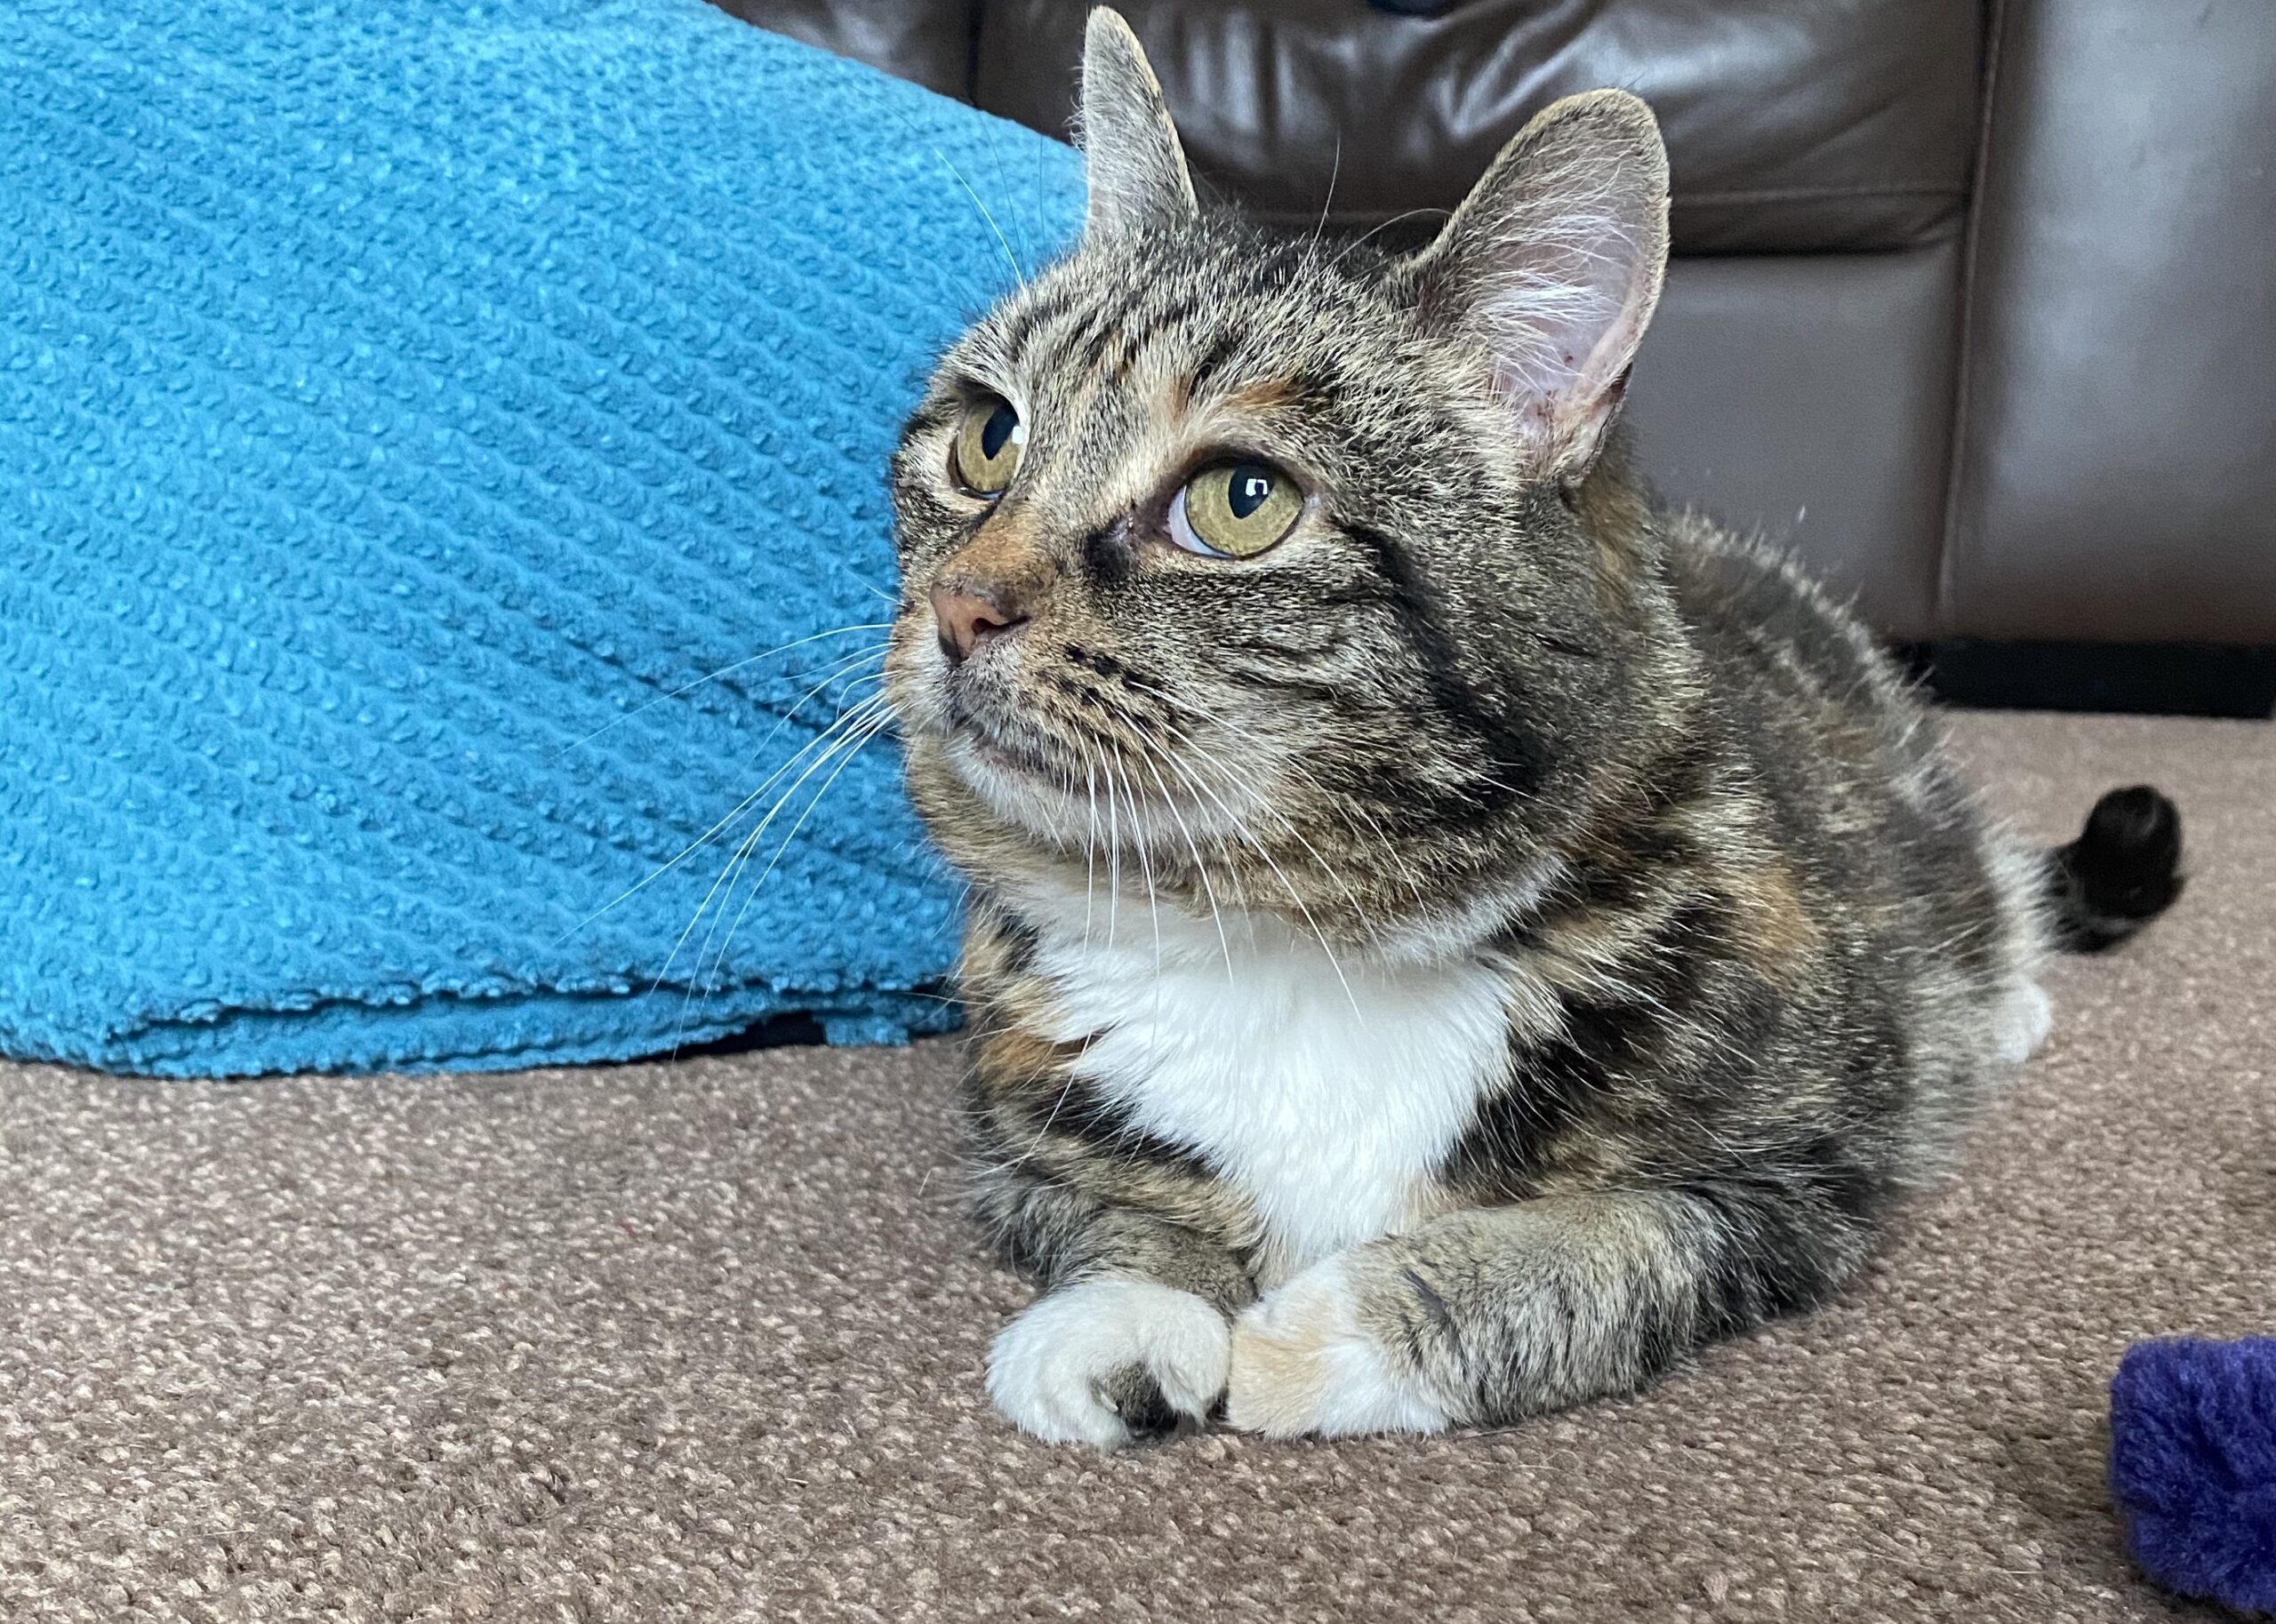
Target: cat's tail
(2122, 871)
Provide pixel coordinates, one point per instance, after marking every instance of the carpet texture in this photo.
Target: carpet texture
(405, 406)
(703, 1340)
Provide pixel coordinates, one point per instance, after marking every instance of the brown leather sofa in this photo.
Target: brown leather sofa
(1975, 304)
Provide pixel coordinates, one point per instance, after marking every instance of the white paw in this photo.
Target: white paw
(2025, 1020)
(1302, 1364)
(1050, 1370)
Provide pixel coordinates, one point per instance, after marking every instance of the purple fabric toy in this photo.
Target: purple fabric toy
(2193, 1465)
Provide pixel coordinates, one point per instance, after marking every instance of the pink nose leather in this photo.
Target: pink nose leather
(968, 611)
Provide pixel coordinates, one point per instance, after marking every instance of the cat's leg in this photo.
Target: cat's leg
(1131, 1339)
(1486, 1315)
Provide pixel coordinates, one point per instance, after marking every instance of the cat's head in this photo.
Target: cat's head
(1297, 573)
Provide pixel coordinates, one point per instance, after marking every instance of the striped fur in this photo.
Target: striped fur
(1480, 950)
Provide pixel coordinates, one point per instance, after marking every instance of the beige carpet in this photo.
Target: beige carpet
(702, 1341)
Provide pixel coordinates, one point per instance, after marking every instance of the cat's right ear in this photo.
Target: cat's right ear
(1552, 268)
(1131, 156)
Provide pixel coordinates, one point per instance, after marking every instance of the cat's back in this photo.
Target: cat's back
(1868, 797)
(1761, 622)
(1805, 690)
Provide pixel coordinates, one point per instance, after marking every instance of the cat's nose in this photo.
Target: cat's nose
(971, 610)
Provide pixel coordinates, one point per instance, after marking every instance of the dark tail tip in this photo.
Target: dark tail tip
(2120, 873)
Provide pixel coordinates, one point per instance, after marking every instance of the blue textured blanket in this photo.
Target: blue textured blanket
(403, 406)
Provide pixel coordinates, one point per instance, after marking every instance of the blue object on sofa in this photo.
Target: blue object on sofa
(402, 405)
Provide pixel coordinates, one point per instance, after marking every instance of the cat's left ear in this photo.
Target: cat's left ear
(1131, 156)
(1552, 267)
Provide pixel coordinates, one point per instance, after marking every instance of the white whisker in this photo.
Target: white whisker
(1200, 868)
(704, 839)
(1225, 774)
(1146, 864)
(713, 677)
(851, 747)
(1381, 840)
(1090, 842)
(837, 731)
(1293, 895)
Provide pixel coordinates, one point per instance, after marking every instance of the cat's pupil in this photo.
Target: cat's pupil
(1246, 489)
(997, 430)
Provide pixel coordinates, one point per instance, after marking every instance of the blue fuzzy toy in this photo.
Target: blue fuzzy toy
(2193, 1465)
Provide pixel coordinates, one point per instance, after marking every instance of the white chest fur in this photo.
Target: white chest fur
(1328, 1098)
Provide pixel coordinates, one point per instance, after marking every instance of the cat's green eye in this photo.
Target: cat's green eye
(1234, 509)
(987, 450)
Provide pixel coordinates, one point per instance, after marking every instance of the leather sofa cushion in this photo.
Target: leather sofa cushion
(1807, 398)
(1791, 126)
(926, 41)
(2118, 404)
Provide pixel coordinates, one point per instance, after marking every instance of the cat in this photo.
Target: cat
(1447, 939)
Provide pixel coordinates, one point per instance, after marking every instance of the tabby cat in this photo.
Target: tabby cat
(1446, 939)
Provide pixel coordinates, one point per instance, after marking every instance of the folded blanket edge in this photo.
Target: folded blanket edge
(445, 1033)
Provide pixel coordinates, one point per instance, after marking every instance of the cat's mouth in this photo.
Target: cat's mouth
(1085, 752)
(1051, 777)
(1005, 744)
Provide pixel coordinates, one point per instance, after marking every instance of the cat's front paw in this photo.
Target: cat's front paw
(1304, 1361)
(1110, 1362)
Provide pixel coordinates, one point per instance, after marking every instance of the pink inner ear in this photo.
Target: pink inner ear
(1563, 294)
(1553, 266)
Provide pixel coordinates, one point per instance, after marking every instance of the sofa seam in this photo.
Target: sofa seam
(976, 22)
(1943, 606)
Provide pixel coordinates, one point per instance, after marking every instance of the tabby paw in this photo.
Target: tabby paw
(1109, 1363)
(1302, 1362)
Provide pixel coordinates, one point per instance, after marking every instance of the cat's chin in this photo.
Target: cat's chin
(1016, 762)
(1018, 785)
